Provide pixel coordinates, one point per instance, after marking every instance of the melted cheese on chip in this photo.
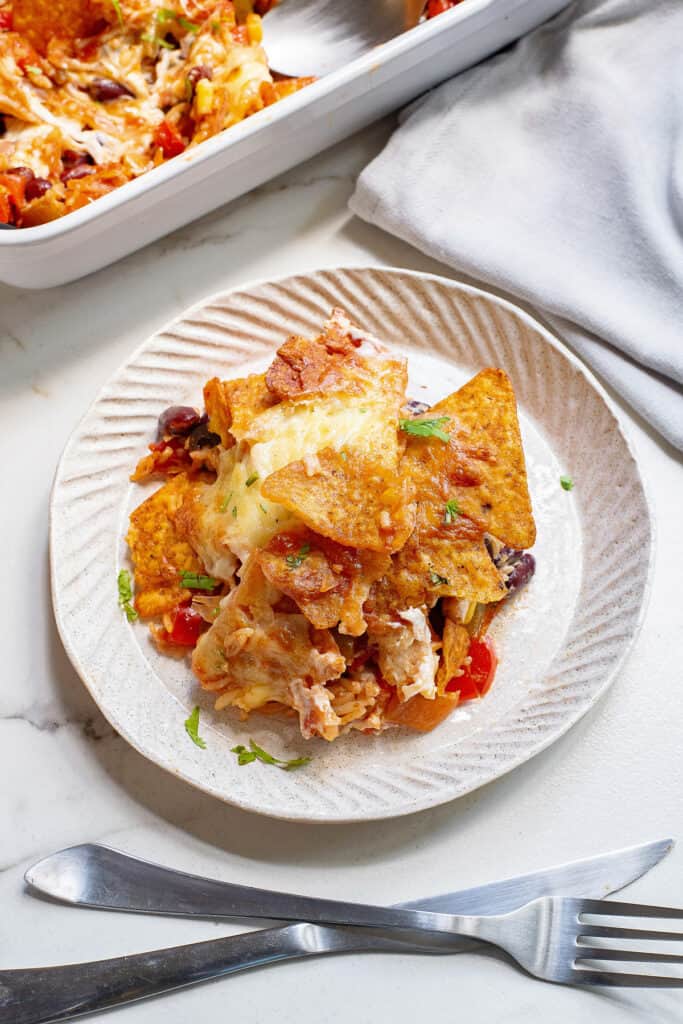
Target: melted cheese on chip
(231, 517)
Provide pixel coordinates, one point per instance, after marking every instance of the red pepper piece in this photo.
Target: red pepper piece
(187, 625)
(169, 140)
(478, 676)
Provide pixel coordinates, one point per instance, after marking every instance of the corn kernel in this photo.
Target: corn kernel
(254, 29)
(203, 97)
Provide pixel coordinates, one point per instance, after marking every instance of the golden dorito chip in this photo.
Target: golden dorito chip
(329, 583)
(482, 465)
(39, 21)
(348, 497)
(159, 550)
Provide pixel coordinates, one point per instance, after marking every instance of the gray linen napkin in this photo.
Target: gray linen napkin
(554, 171)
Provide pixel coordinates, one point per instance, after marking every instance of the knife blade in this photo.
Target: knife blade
(94, 875)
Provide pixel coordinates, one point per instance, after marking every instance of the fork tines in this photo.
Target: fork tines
(588, 955)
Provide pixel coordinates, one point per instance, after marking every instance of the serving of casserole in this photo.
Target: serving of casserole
(328, 547)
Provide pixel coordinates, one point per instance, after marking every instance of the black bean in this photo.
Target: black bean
(202, 437)
(103, 89)
(36, 188)
(3, 126)
(178, 420)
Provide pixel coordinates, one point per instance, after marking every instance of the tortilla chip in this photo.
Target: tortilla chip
(340, 359)
(328, 582)
(41, 20)
(352, 499)
(159, 549)
(439, 559)
(232, 405)
(482, 466)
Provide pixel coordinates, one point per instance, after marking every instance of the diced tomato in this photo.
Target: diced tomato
(187, 625)
(6, 209)
(169, 140)
(5, 21)
(435, 7)
(478, 675)
(14, 184)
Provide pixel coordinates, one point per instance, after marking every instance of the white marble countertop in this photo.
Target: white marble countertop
(65, 777)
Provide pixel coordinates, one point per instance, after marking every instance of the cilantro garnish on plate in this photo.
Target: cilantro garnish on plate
(567, 483)
(245, 755)
(126, 595)
(192, 729)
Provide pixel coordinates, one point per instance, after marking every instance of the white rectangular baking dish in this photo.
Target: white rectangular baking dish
(266, 144)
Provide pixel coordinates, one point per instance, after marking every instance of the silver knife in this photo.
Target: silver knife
(97, 876)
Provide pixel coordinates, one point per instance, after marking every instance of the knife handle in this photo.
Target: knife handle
(43, 995)
(96, 876)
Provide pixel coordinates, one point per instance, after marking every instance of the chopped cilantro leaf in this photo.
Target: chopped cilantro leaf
(223, 507)
(567, 483)
(256, 753)
(192, 729)
(198, 581)
(126, 595)
(294, 561)
(451, 511)
(251, 479)
(436, 580)
(426, 428)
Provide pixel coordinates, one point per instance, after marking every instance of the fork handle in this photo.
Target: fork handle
(42, 995)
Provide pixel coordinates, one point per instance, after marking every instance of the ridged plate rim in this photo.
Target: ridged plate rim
(420, 789)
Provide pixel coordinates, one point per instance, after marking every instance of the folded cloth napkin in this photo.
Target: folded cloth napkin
(554, 171)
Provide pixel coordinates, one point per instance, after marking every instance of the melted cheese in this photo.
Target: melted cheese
(281, 434)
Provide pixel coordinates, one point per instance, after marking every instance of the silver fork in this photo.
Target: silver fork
(559, 939)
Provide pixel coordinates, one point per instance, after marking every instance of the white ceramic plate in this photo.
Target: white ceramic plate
(560, 641)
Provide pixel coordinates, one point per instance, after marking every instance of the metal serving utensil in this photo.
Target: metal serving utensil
(314, 37)
(95, 876)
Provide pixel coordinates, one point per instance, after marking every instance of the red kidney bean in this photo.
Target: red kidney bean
(25, 173)
(522, 571)
(415, 407)
(104, 89)
(36, 188)
(71, 158)
(178, 420)
(78, 171)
